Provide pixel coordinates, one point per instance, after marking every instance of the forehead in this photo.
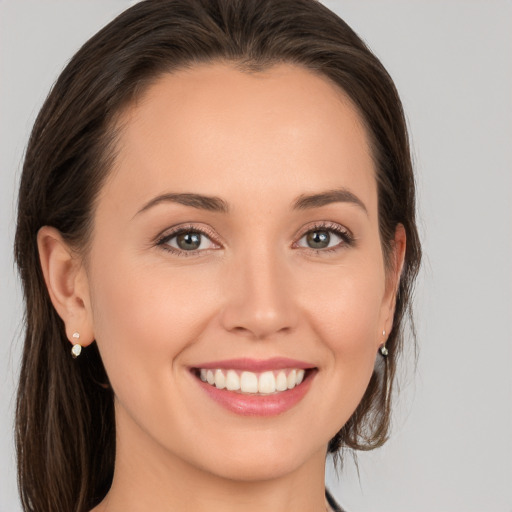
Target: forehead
(213, 129)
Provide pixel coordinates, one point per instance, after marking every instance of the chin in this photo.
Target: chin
(260, 460)
(256, 470)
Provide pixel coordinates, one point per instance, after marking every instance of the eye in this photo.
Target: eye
(186, 240)
(324, 237)
(319, 239)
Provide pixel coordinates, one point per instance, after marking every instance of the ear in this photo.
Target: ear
(67, 284)
(394, 273)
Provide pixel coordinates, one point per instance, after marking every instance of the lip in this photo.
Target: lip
(256, 365)
(257, 405)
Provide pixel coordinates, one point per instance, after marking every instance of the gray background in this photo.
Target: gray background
(451, 448)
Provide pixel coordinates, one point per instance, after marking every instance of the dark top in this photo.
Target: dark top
(332, 502)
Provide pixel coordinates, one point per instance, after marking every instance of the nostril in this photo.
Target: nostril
(260, 330)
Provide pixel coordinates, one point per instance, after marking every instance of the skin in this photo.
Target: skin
(254, 288)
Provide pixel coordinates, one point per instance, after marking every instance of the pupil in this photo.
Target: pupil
(318, 239)
(189, 241)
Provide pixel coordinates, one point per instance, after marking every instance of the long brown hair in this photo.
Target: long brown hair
(65, 426)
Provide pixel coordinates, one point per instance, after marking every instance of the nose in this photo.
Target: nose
(259, 296)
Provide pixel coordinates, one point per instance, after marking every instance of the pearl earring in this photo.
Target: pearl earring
(77, 348)
(383, 350)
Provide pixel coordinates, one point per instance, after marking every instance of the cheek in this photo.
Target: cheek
(346, 309)
(346, 318)
(143, 319)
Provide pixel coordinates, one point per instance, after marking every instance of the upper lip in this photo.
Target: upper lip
(256, 365)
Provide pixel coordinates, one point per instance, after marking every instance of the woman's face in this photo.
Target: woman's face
(238, 235)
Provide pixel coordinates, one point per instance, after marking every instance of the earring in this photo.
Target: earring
(77, 348)
(383, 350)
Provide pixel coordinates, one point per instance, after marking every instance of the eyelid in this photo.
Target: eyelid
(340, 230)
(169, 233)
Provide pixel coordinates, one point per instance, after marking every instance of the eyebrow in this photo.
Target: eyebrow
(340, 195)
(210, 203)
(216, 204)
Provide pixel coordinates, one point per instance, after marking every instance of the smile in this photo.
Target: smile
(250, 387)
(246, 382)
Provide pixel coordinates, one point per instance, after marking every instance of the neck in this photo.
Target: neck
(147, 477)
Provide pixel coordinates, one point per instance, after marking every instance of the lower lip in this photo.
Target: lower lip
(259, 405)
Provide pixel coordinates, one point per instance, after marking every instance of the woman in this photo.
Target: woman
(217, 241)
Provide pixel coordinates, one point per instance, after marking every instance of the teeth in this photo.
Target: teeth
(281, 382)
(290, 381)
(220, 379)
(232, 381)
(249, 382)
(267, 383)
(263, 383)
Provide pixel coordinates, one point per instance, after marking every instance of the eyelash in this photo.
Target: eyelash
(163, 240)
(343, 233)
